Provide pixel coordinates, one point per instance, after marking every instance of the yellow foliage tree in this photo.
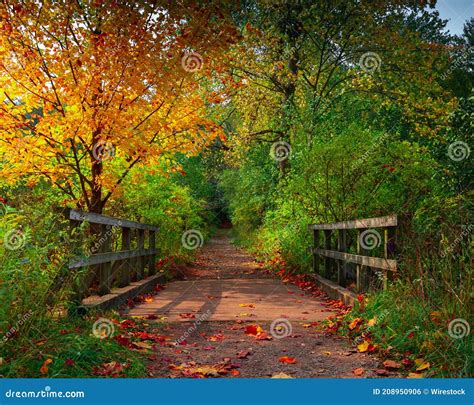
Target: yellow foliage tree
(90, 89)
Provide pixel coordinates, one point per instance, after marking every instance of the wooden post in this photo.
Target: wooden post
(362, 274)
(151, 258)
(125, 267)
(358, 266)
(315, 255)
(327, 260)
(341, 268)
(105, 269)
(389, 250)
(142, 259)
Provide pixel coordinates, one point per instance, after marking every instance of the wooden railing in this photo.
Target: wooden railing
(347, 256)
(122, 266)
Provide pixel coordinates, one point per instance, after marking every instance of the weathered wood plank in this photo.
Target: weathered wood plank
(376, 262)
(380, 222)
(111, 256)
(106, 220)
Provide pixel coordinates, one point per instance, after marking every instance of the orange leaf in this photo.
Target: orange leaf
(363, 347)
(354, 323)
(358, 371)
(235, 373)
(288, 360)
(391, 364)
(44, 367)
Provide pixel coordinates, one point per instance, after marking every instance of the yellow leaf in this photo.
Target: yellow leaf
(415, 375)
(363, 347)
(423, 366)
(281, 375)
(327, 353)
(372, 322)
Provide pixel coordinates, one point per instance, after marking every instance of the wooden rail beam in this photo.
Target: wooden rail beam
(376, 262)
(379, 222)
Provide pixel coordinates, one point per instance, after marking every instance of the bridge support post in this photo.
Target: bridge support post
(327, 260)
(151, 258)
(141, 259)
(105, 269)
(125, 268)
(341, 264)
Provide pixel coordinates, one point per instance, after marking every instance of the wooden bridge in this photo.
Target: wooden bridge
(356, 254)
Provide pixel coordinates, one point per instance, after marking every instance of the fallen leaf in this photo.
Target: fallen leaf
(354, 323)
(408, 363)
(391, 364)
(69, 362)
(382, 372)
(363, 347)
(216, 338)
(143, 345)
(263, 336)
(187, 315)
(281, 375)
(287, 360)
(113, 369)
(253, 330)
(327, 353)
(423, 365)
(44, 367)
(358, 371)
(243, 354)
(372, 322)
(235, 373)
(415, 375)
(247, 305)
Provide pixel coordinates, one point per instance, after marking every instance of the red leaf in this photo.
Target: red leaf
(253, 330)
(187, 315)
(382, 372)
(69, 362)
(288, 360)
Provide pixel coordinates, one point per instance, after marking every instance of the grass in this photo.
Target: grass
(73, 349)
(411, 327)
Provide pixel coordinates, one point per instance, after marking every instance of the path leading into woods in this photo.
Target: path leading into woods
(218, 322)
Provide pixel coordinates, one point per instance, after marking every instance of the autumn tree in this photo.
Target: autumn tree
(91, 89)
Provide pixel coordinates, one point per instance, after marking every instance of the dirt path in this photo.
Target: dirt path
(214, 315)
